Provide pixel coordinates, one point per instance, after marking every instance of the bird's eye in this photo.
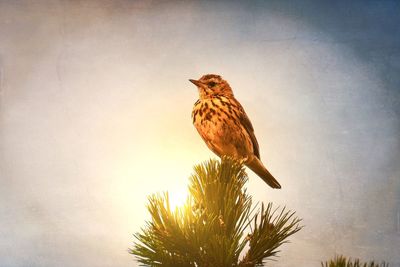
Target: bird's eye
(211, 84)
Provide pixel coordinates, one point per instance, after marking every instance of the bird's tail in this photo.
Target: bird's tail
(256, 166)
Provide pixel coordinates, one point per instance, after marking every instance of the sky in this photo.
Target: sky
(95, 108)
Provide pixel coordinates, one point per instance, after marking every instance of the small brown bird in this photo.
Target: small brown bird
(223, 124)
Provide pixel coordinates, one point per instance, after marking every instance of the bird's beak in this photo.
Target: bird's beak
(195, 82)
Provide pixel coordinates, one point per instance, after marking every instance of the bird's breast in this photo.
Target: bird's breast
(218, 122)
(213, 117)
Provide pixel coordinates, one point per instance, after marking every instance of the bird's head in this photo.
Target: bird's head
(211, 85)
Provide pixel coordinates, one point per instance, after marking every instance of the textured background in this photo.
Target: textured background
(95, 115)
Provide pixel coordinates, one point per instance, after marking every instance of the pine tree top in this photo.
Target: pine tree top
(217, 226)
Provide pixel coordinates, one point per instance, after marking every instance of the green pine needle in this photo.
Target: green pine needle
(341, 261)
(215, 225)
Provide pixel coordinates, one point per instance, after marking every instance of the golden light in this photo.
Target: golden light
(177, 197)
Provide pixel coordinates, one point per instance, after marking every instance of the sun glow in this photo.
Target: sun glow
(177, 197)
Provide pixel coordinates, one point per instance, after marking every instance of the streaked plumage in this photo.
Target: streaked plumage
(224, 126)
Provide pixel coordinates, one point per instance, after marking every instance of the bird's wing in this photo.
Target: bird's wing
(245, 121)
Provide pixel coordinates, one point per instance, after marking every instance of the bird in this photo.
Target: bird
(225, 127)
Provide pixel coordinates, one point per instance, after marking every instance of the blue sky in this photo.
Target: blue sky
(95, 110)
